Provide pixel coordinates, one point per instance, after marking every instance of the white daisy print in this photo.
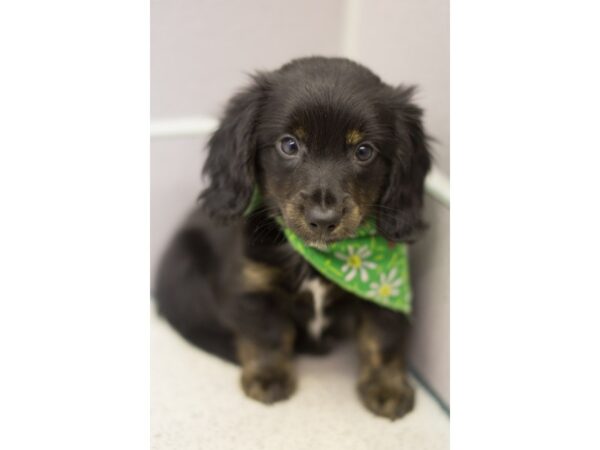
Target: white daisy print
(356, 262)
(387, 287)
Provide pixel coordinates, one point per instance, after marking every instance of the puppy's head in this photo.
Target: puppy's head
(328, 144)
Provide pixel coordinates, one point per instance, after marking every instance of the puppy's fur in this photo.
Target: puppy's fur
(230, 283)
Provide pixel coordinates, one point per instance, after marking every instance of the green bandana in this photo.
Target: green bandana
(366, 265)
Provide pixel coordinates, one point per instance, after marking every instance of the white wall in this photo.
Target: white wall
(201, 51)
(408, 41)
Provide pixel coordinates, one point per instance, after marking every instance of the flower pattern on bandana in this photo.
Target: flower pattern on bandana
(388, 286)
(356, 262)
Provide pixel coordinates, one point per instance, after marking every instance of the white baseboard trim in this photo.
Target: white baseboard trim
(182, 126)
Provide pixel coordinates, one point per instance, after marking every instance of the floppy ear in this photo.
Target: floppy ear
(402, 201)
(232, 148)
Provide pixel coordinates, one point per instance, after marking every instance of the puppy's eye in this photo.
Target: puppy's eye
(288, 146)
(364, 153)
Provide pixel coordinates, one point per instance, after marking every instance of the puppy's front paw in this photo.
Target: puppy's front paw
(386, 393)
(269, 384)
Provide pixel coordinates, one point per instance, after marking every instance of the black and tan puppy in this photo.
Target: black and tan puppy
(327, 144)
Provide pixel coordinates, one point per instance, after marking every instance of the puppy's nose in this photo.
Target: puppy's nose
(323, 220)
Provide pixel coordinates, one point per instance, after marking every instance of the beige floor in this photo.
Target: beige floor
(196, 404)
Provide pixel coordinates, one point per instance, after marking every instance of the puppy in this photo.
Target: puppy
(325, 145)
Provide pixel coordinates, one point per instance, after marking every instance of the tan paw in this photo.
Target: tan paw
(269, 384)
(387, 394)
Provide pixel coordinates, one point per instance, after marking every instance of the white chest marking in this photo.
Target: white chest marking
(318, 289)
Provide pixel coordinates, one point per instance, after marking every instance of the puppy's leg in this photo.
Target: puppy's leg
(267, 370)
(383, 385)
(264, 336)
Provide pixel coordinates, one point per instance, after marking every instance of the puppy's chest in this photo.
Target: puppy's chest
(315, 294)
(322, 309)
(317, 305)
